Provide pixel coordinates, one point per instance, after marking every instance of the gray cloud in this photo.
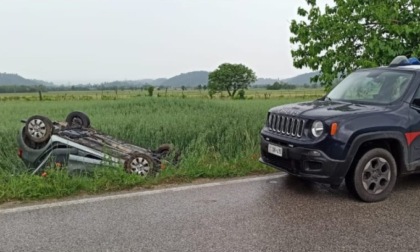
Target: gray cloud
(100, 40)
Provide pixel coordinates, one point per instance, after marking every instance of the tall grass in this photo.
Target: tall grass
(217, 138)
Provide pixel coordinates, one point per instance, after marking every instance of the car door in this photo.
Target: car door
(413, 134)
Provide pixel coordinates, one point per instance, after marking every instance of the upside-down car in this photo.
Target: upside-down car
(74, 144)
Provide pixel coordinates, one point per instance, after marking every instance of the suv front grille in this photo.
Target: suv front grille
(286, 125)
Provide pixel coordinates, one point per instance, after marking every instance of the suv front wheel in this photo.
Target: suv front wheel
(374, 176)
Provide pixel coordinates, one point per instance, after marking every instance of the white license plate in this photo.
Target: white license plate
(275, 150)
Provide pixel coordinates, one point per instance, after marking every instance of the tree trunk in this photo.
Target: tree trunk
(234, 92)
(230, 95)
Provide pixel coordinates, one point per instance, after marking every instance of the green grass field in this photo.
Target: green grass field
(217, 138)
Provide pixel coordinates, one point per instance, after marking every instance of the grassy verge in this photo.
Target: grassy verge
(217, 138)
(58, 184)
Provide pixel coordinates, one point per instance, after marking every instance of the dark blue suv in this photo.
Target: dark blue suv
(365, 131)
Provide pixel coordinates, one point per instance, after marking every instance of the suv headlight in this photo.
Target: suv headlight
(317, 128)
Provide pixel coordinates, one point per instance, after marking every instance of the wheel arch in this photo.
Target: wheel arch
(394, 142)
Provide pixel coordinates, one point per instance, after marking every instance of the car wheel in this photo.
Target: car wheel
(164, 149)
(374, 176)
(38, 129)
(78, 119)
(140, 164)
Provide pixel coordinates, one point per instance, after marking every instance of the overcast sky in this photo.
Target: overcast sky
(98, 40)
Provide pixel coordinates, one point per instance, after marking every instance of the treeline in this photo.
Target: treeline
(283, 85)
(22, 89)
(89, 87)
(280, 85)
(42, 88)
(99, 87)
(116, 85)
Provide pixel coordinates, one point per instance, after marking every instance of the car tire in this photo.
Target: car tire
(140, 164)
(374, 176)
(38, 129)
(78, 119)
(164, 149)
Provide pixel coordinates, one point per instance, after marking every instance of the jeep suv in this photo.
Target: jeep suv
(364, 132)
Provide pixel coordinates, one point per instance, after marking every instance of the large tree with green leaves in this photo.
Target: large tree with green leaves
(231, 78)
(354, 34)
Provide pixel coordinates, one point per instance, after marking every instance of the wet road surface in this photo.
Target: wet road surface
(279, 213)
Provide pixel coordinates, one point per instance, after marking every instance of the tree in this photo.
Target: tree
(354, 34)
(211, 93)
(150, 90)
(277, 86)
(231, 78)
(241, 94)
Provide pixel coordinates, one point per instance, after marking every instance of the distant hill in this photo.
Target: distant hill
(7, 79)
(301, 80)
(264, 81)
(191, 79)
(158, 82)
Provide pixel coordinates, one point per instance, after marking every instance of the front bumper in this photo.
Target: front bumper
(311, 164)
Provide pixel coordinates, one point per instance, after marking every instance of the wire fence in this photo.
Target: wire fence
(126, 94)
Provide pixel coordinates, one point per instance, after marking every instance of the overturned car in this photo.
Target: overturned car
(74, 144)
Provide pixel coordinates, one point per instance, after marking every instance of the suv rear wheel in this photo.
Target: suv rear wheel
(374, 176)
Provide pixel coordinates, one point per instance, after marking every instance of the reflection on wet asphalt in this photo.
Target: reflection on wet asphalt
(280, 214)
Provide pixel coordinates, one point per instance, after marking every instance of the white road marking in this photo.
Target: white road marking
(136, 194)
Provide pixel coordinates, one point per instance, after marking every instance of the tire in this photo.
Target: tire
(164, 149)
(374, 176)
(140, 164)
(78, 119)
(167, 150)
(38, 129)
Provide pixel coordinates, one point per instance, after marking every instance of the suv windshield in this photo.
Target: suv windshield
(378, 86)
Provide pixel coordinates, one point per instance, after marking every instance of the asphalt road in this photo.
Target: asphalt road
(276, 213)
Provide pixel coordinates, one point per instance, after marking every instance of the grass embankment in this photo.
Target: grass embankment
(217, 138)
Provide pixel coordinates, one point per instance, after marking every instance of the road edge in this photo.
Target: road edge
(63, 203)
